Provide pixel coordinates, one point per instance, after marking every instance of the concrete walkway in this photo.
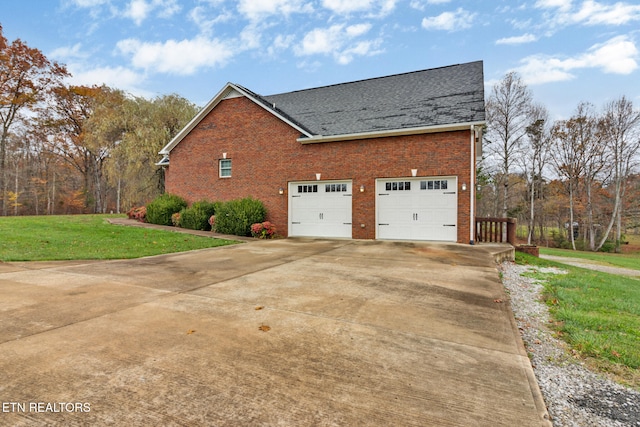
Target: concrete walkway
(291, 332)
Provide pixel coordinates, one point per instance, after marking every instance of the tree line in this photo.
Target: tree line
(77, 149)
(573, 180)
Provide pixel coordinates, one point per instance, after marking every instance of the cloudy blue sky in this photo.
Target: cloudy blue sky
(567, 51)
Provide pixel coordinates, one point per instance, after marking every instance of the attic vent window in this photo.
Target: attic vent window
(225, 168)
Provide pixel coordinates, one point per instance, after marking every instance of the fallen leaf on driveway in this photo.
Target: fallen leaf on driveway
(260, 307)
(264, 328)
(190, 331)
(498, 300)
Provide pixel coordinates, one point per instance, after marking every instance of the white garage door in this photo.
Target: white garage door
(320, 209)
(417, 209)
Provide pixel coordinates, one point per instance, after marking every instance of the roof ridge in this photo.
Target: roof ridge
(370, 79)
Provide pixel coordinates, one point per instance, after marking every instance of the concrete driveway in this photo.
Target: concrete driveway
(288, 332)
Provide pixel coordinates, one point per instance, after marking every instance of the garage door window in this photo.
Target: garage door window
(335, 188)
(398, 186)
(308, 188)
(434, 184)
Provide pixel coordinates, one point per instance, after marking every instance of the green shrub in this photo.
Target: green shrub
(608, 246)
(236, 216)
(196, 216)
(159, 211)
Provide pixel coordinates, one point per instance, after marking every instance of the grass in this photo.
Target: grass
(88, 237)
(631, 260)
(598, 315)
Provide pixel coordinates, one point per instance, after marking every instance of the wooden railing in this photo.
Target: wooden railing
(496, 230)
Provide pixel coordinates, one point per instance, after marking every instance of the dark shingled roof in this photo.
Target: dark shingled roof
(438, 96)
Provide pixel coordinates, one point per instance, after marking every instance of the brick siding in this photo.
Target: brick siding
(266, 157)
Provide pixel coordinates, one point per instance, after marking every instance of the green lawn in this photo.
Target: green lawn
(86, 237)
(617, 260)
(598, 314)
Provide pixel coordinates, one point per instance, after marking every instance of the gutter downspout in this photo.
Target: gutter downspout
(472, 188)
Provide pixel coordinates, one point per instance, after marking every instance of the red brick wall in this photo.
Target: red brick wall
(266, 156)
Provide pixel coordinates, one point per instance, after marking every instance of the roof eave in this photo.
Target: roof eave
(316, 139)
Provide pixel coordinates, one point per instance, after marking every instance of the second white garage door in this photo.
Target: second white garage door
(320, 209)
(417, 209)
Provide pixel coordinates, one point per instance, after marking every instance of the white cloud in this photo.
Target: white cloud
(357, 30)
(373, 7)
(116, 77)
(525, 38)
(594, 13)
(280, 43)
(618, 55)
(449, 21)
(183, 57)
(250, 37)
(68, 52)
(590, 12)
(139, 10)
(321, 40)
(422, 4)
(339, 41)
(199, 17)
(257, 10)
(363, 48)
(554, 4)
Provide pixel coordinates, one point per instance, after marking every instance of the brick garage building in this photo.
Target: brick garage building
(384, 158)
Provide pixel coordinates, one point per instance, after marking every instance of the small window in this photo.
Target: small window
(335, 188)
(308, 188)
(398, 186)
(225, 168)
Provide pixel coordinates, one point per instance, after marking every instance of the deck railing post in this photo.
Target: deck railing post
(496, 230)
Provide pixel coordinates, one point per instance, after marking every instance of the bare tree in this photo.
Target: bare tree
(534, 161)
(620, 128)
(508, 113)
(593, 154)
(567, 159)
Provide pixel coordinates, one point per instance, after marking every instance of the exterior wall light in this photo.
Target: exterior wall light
(281, 191)
(464, 186)
(362, 188)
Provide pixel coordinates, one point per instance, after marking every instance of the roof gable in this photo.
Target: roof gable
(230, 90)
(438, 99)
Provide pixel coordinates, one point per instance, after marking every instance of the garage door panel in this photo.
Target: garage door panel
(417, 209)
(320, 209)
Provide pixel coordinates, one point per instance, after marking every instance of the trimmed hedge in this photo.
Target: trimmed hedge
(159, 211)
(236, 216)
(196, 216)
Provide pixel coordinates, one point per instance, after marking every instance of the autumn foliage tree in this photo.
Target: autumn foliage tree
(26, 77)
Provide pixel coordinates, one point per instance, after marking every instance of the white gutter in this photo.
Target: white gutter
(385, 133)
